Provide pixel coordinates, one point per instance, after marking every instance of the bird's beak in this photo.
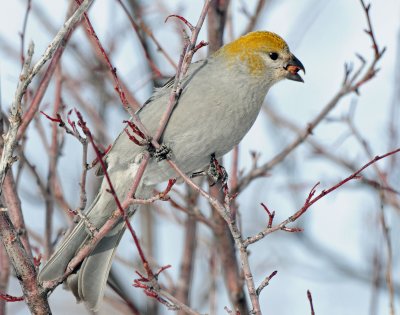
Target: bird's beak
(293, 67)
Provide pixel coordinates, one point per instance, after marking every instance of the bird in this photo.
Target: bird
(220, 100)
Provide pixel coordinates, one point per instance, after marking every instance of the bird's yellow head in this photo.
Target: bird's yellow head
(260, 52)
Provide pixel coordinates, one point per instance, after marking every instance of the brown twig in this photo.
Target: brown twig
(223, 210)
(309, 296)
(389, 262)
(138, 29)
(15, 211)
(216, 23)
(131, 104)
(188, 254)
(22, 33)
(24, 268)
(54, 153)
(265, 282)
(4, 276)
(184, 64)
(53, 52)
(86, 131)
(311, 199)
(253, 19)
(26, 78)
(177, 303)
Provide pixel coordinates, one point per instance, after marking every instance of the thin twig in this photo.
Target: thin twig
(253, 19)
(311, 199)
(26, 78)
(266, 282)
(309, 296)
(22, 34)
(389, 262)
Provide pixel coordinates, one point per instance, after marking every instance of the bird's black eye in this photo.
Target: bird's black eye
(273, 55)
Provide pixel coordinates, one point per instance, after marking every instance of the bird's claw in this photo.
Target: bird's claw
(215, 172)
(162, 153)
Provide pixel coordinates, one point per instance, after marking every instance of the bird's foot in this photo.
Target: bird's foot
(162, 153)
(217, 172)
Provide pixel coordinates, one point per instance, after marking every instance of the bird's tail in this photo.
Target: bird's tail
(89, 281)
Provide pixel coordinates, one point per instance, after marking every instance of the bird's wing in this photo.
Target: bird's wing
(159, 97)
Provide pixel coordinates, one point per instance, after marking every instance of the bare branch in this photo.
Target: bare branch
(24, 268)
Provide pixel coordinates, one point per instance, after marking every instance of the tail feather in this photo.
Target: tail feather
(56, 265)
(93, 274)
(88, 282)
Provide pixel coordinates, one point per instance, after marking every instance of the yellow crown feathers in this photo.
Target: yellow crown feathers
(255, 41)
(247, 47)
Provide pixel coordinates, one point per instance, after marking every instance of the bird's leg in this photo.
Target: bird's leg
(215, 172)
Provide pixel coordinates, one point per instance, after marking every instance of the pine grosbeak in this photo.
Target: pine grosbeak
(221, 98)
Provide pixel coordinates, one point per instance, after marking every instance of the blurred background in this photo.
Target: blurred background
(347, 254)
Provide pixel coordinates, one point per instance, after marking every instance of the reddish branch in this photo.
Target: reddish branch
(54, 152)
(10, 298)
(136, 131)
(125, 217)
(129, 106)
(271, 215)
(224, 241)
(139, 29)
(182, 68)
(311, 199)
